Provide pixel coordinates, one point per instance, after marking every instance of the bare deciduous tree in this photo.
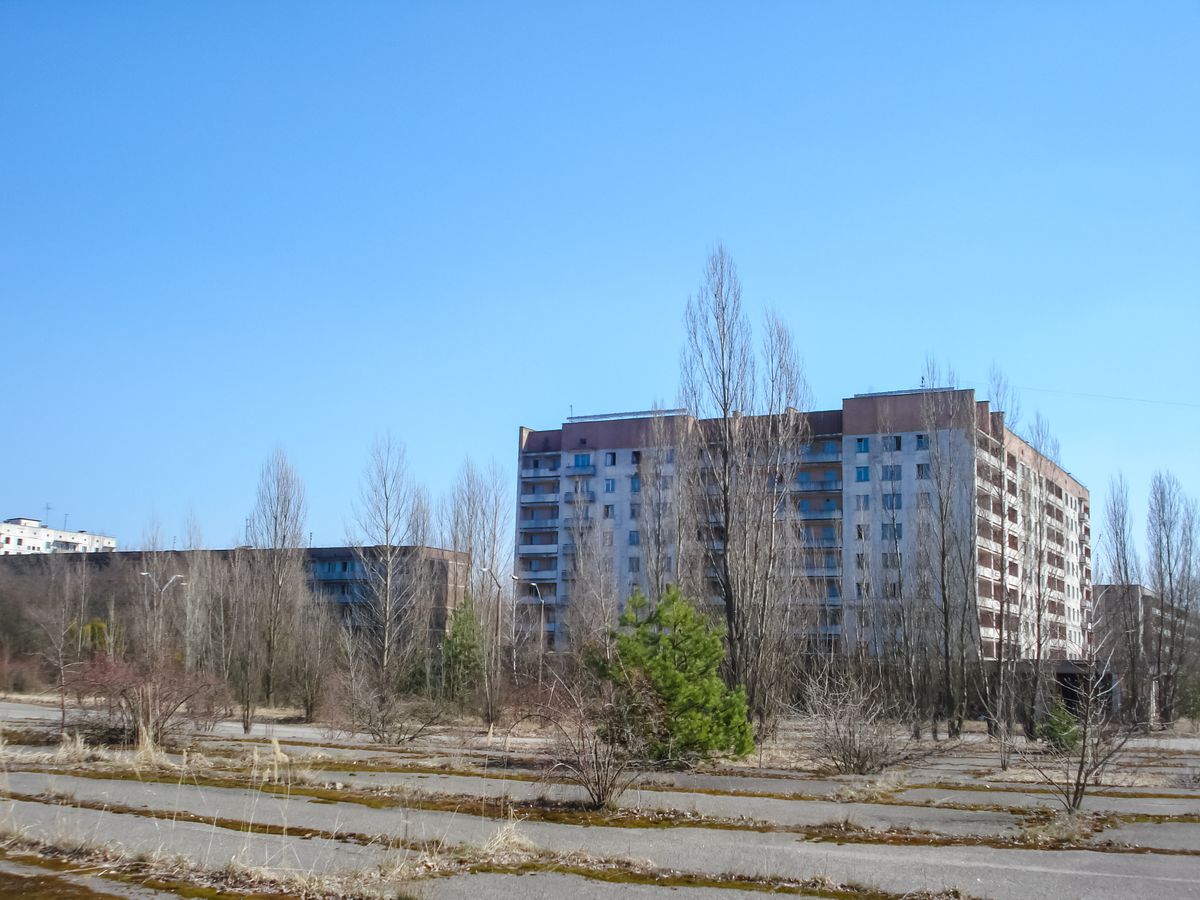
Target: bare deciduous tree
(477, 521)
(389, 622)
(952, 539)
(744, 458)
(1123, 608)
(1000, 602)
(276, 530)
(1171, 524)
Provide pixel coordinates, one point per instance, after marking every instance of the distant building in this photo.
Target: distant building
(1145, 642)
(863, 500)
(431, 576)
(430, 572)
(20, 536)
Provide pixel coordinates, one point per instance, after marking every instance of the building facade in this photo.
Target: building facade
(886, 494)
(430, 576)
(21, 536)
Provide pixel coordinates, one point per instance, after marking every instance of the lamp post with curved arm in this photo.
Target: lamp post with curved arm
(541, 623)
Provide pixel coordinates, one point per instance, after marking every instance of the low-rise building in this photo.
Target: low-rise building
(430, 576)
(21, 537)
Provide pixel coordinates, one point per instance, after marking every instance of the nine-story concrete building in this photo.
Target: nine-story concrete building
(897, 498)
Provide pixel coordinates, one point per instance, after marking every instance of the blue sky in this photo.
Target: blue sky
(226, 227)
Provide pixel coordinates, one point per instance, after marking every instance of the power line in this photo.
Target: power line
(1111, 397)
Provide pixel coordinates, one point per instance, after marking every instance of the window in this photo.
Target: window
(892, 501)
(891, 442)
(862, 501)
(889, 473)
(923, 471)
(922, 442)
(860, 532)
(610, 459)
(635, 510)
(608, 539)
(893, 589)
(892, 560)
(635, 564)
(892, 531)
(635, 538)
(635, 457)
(861, 590)
(862, 473)
(862, 445)
(583, 459)
(635, 484)
(609, 510)
(860, 560)
(924, 501)
(610, 485)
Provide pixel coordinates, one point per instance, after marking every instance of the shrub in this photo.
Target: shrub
(146, 705)
(1059, 729)
(598, 735)
(668, 660)
(853, 731)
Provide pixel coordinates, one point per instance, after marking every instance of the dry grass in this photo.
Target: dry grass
(871, 790)
(155, 868)
(1114, 775)
(1062, 829)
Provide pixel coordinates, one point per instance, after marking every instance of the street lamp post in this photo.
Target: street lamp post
(499, 612)
(541, 624)
(162, 599)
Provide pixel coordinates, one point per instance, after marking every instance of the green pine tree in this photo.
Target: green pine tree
(669, 661)
(462, 651)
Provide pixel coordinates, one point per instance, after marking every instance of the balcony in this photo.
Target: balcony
(540, 473)
(823, 543)
(821, 456)
(539, 498)
(823, 571)
(541, 575)
(548, 549)
(820, 513)
(526, 602)
(578, 522)
(580, 471)
(538, 524)
(579, 497)
(819, 486)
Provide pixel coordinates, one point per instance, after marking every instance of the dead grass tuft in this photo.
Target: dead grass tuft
(1061, 829)
(871, 790)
